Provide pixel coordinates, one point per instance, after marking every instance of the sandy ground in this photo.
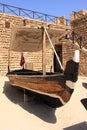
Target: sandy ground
(18, 115)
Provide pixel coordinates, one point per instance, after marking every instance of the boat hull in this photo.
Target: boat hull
(52, 85)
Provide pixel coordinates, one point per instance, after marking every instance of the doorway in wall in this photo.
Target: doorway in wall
(58, 49)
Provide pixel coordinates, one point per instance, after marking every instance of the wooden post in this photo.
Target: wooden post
(9, 60)
(73, 37)
(44, 53)
(26, 97)
(80, 42)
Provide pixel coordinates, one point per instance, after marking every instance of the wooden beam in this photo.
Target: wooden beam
(44, 53)
(64, 34)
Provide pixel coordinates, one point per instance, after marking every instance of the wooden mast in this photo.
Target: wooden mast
(44, 52)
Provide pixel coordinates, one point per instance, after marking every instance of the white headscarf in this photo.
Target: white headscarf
(76, 56)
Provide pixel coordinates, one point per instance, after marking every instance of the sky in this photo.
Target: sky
(52, 7)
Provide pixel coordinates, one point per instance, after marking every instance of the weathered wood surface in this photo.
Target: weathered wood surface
(47, 86)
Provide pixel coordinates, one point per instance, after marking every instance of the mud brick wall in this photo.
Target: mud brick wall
(7, 22)
(68, 54)
(34, 59)
(79, 25)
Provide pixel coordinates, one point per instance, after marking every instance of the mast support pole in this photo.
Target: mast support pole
(53, 48)
(44, 52)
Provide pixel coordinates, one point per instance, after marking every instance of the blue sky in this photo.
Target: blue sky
(52, 7)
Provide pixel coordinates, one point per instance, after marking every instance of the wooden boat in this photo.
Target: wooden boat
(50, 85)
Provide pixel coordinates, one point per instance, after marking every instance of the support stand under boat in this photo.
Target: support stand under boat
(26, 97)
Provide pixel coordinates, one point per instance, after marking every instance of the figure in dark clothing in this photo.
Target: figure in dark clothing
(71, 71)
(72, 67)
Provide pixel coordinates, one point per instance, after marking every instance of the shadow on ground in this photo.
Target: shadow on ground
(84, 85)
(84, 102)
(36, 107)
(80, 126)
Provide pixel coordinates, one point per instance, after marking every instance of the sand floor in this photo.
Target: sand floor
(15, 114)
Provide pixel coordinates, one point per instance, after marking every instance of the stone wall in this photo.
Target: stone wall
(7, 22)
(79, 25)
(34, 59)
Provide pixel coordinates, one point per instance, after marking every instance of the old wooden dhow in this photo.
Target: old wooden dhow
(55, 86)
